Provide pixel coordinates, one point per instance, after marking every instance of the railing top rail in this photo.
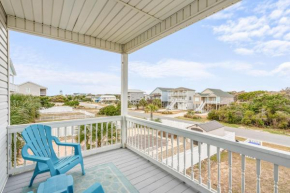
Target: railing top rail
(19, 128)
(278, 157)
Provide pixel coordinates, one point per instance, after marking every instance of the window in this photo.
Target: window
(27, 90)
(196, 99)
(190, 98)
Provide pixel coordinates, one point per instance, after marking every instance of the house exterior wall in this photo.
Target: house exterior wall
(226, 100)
(4, 96)
(163, 96)
(135, 97)
(183, 99)
(30, 89)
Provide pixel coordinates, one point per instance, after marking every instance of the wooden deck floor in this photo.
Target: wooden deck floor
(145, 176)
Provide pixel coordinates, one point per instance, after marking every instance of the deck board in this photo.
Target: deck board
(144, 175)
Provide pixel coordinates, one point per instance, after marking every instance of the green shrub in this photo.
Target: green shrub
(110, 110)
(166, 112)
(71, 103)
(213, 115)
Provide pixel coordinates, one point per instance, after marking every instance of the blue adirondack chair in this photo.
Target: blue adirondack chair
(38, 139)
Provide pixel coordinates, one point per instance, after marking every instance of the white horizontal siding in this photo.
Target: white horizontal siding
(3, 97)
(39, 29)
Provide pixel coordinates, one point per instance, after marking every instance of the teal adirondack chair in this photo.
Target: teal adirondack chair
(39, 140)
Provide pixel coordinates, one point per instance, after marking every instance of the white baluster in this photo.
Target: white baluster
(152, 137)
(219, 170)
(172, 150)
(65, 140)
(208, 168)
(112, 125)
(15, 151)
(97, 128)
(156, 144)
(85, 133)
(148, 144)
(91, 135)
(276, 178)
(230, 170)
(58, 137)
(177, 153)
(144, 139)
(243, 173)
(199, 163)
(102, 132)
(166, 148)
(161, 144)
(72, 139)
(258, 170)
(184, 152)
(191, 157)
(107, 131)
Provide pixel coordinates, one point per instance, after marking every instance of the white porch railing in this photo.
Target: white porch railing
(157, 143)
(101, 134)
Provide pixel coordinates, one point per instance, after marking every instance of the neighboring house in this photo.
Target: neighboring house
(211, 99)
(162, 94)
(192, 156)
(31, 88)
(105, 99)
(135, 95)
(181, 98)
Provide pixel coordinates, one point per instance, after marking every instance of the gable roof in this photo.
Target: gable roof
(43, 87)
(208, 126)
(219, 92)
(162, 89)
(183, 88)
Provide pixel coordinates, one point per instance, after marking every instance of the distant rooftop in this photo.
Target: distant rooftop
(182, 88)
(208, 126)
(219, 92)
(135, 90)
(43, 87)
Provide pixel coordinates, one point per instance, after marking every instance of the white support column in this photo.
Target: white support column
(124, 97)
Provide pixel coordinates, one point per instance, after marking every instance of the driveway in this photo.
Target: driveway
(246, 133)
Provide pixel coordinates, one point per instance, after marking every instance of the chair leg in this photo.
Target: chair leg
(35, 173)
(83, 168)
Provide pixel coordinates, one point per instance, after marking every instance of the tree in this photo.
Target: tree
(151, 108)
(23, 110)
(143, 103)
(157, 102)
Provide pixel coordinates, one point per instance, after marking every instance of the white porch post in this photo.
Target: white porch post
(124, 97)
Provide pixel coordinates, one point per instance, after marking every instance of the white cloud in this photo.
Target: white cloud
(244, 51)
(281, 70)
(263, 30)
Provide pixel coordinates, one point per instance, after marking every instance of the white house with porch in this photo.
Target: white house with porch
(181, 98)
(122, 27)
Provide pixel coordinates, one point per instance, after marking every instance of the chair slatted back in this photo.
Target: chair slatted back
(38, 138)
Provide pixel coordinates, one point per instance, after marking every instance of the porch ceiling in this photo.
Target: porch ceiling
(121, 26)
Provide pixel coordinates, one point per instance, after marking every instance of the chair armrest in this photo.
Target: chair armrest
(27, 156)
(56, 140)
(35, 158)
(76, 146)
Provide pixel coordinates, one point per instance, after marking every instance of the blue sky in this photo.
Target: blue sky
(245, 47)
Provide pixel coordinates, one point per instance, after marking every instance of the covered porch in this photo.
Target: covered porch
(143, 151)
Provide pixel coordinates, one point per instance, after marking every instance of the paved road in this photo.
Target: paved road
(253, 134)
